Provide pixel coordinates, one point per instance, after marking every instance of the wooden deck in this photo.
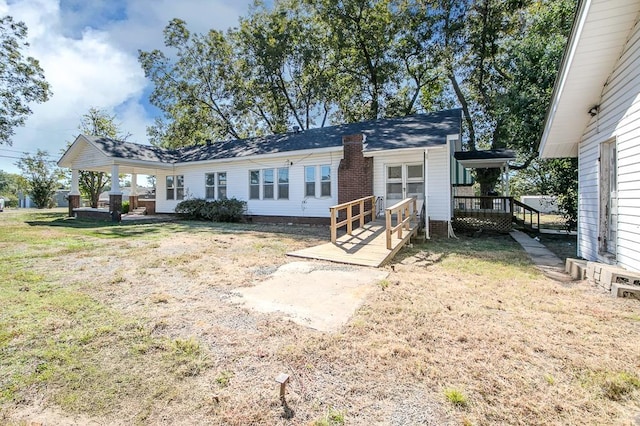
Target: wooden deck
(367, 246)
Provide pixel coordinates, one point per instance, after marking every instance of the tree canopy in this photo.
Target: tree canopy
(21, 79)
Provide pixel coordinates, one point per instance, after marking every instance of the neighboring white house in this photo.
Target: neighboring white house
(595, 115)
(296, 176)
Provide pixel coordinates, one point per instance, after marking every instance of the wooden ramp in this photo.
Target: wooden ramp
(367, 246)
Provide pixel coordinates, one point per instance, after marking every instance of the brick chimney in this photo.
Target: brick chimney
(355, 173)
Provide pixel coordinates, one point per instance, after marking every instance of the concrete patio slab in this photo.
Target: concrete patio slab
(318, 295)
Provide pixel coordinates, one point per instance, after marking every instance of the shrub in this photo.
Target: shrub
(125, 207)
(191, 209)
(230, 210)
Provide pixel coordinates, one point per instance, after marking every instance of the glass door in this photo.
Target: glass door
(404, 180)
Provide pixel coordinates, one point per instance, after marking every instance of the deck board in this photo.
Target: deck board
(367, 246)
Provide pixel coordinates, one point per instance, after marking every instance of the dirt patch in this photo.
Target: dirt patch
(318, 295)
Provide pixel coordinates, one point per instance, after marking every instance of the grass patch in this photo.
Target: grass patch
(613, 385)
(332, 417)
(456, 397)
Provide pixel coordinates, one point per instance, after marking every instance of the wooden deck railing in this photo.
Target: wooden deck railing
(498, 204)
(350, 217)
(523, 209)
(495, 213)
(404, 212)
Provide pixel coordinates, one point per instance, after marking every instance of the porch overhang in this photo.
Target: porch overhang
(487, 159)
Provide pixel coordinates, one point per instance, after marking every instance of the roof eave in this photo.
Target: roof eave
(567, 58)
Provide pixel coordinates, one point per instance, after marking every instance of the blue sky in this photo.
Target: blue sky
(88, 50)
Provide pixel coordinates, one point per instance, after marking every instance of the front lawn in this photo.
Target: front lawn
(133, 324)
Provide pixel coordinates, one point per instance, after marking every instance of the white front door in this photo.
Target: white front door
(404, 180)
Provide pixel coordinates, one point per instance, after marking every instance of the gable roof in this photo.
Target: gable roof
(600, 31)
(415, 131)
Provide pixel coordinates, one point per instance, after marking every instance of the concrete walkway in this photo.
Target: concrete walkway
(550, 264)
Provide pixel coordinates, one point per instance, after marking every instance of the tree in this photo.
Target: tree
(42, 176)
(21, 79)
(296, 63)
(97, 122)
(10, 185)
(502, 59)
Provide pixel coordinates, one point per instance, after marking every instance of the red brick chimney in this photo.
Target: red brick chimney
(355, 174)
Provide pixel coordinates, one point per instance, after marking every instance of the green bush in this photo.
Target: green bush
(125, 207)
(231, 210)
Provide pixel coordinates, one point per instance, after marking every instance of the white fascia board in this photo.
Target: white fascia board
(567, 61)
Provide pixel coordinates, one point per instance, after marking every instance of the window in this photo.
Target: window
(325, 181)
(310, 181)
(222, 185)
(264, 183)
(175, 187)
(312, 184)
(170, 188)
(180, 187)
(254, 184)
(267, 184)
(415, 181)
(210, 186)
(283, 184)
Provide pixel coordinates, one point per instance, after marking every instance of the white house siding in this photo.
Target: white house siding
(619, 120)
(90, 156)
(238, 184)
(437, 179)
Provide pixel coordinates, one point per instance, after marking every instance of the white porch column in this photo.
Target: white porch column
(507, 180)
(134, 184)
(115, 181)
(75, 182)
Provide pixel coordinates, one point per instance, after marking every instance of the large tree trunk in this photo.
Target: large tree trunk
(487, 178)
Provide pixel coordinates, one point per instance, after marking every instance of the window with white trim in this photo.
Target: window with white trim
(310, 181)
(210, 186)
(175, 187)
(325, 181)
(283, 183)
(215, 183)
(179, 187)
(269, 184)
(254, 184)
(317, 180)
(222, 185)
(171, 188)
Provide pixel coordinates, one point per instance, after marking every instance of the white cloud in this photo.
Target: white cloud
(89, 54)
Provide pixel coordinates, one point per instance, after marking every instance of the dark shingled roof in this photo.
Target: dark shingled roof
(133, 151)
(416, 131)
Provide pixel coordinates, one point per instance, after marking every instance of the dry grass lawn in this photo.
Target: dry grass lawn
(132, 324)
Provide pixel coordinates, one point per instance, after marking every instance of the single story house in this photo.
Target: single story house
(296, 176)
(595, 116)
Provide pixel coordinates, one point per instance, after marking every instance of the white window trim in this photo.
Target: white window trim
(216, 185)
(318, 181)
(276, 188)
(174, 188)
